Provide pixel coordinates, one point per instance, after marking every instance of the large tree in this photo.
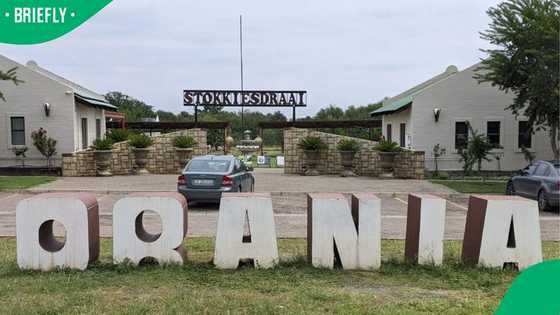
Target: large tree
(9, 75)
(525, 60)
(133, 109)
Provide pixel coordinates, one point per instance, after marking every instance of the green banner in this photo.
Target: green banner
(535, 291)
(38, 21)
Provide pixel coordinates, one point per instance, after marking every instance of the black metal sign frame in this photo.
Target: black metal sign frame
(244, 98)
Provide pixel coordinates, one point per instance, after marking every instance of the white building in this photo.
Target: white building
(71, 114)
(436, 111)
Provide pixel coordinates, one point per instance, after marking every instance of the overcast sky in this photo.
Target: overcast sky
(341, 52)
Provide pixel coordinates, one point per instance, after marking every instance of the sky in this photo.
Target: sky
(341, 52)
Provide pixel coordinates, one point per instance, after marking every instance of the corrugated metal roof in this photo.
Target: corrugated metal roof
(93, 102)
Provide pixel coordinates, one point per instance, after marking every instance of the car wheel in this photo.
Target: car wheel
(543, 205)
(510, 190)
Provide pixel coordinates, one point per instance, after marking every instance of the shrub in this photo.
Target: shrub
(387, 146)
(102, 144)
(141, 141)
(118, 135)
(184, 142)
(311, 143)
(443, 175)
(45, 145)
(348, 145)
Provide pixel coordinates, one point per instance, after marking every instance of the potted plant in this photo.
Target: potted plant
(347, 149)
(311, 146)
(387, 151)
(184, 147)
(103, 156)
(118, 135)
(141, 144)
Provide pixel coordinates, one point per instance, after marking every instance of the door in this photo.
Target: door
(389, 133)
(84, 133)
(402, 135)
(522, 183)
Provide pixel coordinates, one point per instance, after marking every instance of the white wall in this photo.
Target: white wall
(461, 98)
(91, 113)
(27, 100)
(396, 120)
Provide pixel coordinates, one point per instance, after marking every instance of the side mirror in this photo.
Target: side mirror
(524, 173)
(250, 168)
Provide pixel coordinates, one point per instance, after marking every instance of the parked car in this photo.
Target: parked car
(205, 178)
(539, 181)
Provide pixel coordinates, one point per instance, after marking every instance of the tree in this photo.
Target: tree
(45, 145)
(9, 75)
(526, 60)
(133, 109)
(332, 112)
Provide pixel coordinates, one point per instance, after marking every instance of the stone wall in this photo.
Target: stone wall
(408, 164)
(161, 158)
(366, 160)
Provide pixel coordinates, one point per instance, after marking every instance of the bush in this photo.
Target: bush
(141, 141)
(45, 145)
(387, 146)
(102, 144)
(443, 175)
(311, 143)
(348, 145)
(118, 135)
(184, 142)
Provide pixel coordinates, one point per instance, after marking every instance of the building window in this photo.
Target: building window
(461, 134)
(84, 133)
(493, 133)
(524, 137)
(98, 128)
(402, 135)
(18, 130)
(389, 133)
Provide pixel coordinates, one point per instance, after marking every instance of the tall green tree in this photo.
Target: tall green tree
(525, 60)
(133, 109)
(9, 75)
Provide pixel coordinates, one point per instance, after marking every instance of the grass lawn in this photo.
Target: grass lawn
(22, 182)
(474, 186)
(292, 287)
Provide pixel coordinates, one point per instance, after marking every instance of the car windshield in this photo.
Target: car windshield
(218, 166)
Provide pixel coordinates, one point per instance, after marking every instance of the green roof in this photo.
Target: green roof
(394, 106)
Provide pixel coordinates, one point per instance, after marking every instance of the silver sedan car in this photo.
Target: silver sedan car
(539, 181)
(205, 178)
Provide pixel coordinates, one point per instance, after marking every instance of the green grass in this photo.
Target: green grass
(22, 182)
(474, 186)
(291, 288)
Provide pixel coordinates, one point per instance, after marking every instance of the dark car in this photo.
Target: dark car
(539, 181)
(205, 178)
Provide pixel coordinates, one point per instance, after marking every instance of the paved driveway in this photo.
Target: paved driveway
(266, 180)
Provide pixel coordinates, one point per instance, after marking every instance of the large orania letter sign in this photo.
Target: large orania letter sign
(500, 230)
